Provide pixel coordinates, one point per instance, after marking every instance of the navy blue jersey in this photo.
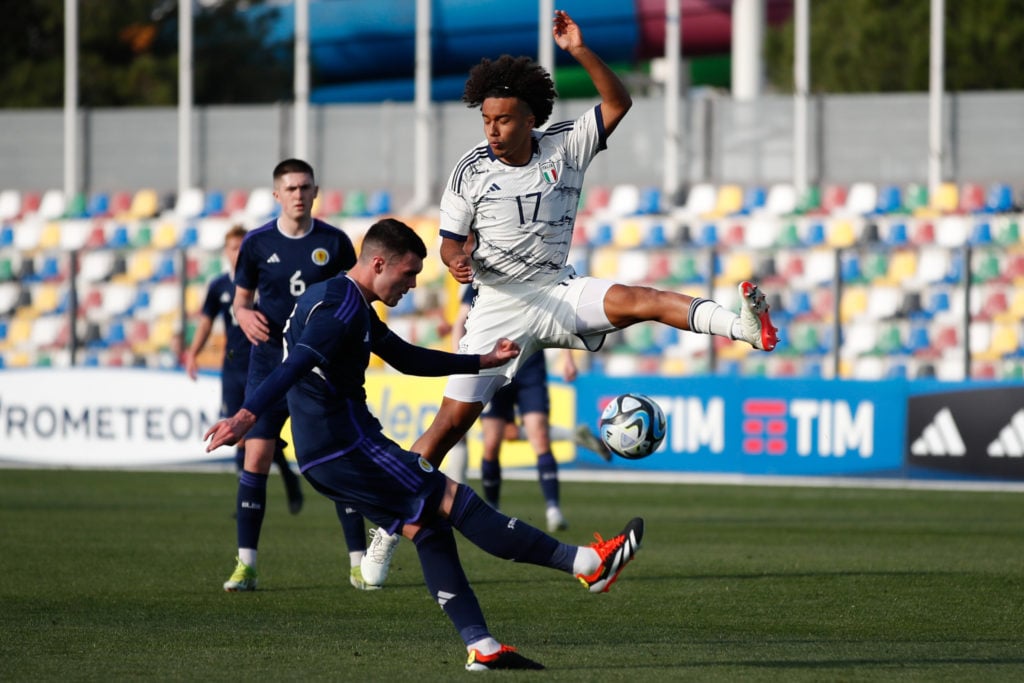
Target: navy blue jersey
(328, 341)
(280, 268)
(219, 296)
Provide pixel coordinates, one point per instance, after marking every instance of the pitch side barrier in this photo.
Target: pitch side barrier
(878, 429)
(135, 418)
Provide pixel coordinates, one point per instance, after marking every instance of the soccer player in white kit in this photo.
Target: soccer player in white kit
(517, 193)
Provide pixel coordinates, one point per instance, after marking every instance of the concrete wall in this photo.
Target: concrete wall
(880, 138)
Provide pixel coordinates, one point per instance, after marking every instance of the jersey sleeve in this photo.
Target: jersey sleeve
(247, 266)
(211, 304)
(456, 212)
(410, 359)
(587, 137)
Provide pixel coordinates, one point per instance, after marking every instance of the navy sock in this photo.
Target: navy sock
(547, 472)
(251, 506)
(352, 526)
(291, 480)
(506, 537)
(490, 480)
(447, 582)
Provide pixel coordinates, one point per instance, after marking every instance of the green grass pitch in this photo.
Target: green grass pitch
(117, 575)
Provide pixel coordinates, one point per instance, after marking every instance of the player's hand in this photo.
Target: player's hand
(504, 350)
(569, 369)
(254, 324)
(191, 366)
(461, 269)
(229, 431)
(566, 32)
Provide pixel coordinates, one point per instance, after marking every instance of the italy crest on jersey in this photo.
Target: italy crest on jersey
(549, 172)
(320, 256)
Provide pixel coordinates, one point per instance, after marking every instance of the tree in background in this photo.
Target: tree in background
(128, 55)
(883, 46)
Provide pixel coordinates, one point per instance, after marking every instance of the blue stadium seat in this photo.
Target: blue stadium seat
(214, 203)
(890, 200)
(999, 198)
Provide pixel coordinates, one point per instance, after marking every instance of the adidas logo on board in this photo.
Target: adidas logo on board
(940, 438)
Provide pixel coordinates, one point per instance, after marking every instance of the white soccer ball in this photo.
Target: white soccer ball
(632, 426)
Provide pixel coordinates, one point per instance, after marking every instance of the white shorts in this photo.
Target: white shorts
(567, 314)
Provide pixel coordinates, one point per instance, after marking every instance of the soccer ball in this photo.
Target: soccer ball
(632, 426)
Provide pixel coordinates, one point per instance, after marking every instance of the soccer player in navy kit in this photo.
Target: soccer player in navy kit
(277, 263)
(343, 453)
(220, 294)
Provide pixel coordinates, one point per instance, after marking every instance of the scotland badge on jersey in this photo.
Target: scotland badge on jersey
(549, 172)
(320, 256)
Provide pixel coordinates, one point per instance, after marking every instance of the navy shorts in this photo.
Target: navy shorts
(263, 360)
(528, 390)
(390, 486)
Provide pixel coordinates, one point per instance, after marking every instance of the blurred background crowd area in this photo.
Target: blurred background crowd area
(866, 281)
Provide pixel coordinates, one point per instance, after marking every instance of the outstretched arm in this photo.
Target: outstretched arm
(615, 100)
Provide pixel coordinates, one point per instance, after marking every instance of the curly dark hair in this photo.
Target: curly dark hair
(510, 76)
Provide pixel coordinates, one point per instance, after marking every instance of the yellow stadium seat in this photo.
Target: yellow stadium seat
(145, 204)
(902, 266)
(853, 304)
(605, 263)
(729, 200)
(141, 266)
(49, 238)
(626, 233)
(166, 236)
(738, 266)
(841, 233)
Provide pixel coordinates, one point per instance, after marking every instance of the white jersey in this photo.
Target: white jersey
(522, 216)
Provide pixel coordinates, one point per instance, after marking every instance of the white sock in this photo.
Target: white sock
(247, 556)
(587, 561)
(355, 557)
(485, 646)
(710, 317)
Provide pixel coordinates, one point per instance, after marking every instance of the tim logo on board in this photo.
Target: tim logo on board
(978, 432)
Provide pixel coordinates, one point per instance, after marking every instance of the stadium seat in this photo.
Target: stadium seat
(378, 203)
(235, 203)
(953, 231)
(700, 201)
(841, 232)
(762, 231)
(946, 199)
(213, 203)
(120, 203)
(49, 236)
(52, 205)
(754, 198)
(145, 204)
(861, 200)
(972, 198)
(650, 201)
(810, 201)
(355, 205)
(10, 205)
(328, 203)
(99, 205)
(998, 199)
(624, 201)
(890, 200)
(833, 199)
(729, 201)
(594, 199)
(627, 233)
(261, 205)
(190, 204)
(781, 200)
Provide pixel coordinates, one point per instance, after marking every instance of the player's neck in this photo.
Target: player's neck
(295, 226)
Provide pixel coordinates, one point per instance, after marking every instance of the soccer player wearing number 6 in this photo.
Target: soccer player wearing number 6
(517, 193)
(277, 263)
